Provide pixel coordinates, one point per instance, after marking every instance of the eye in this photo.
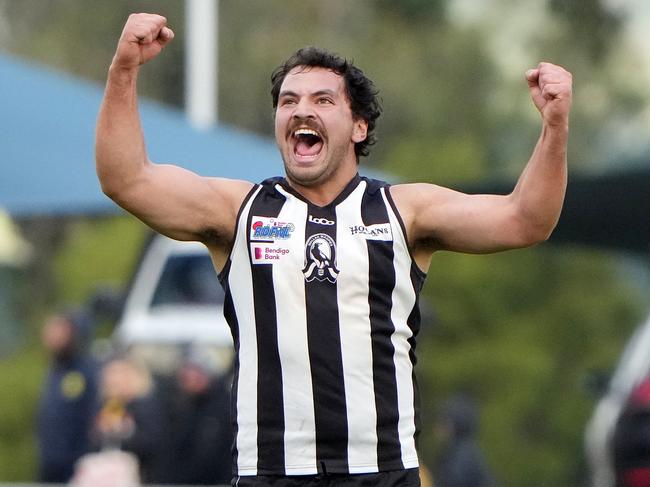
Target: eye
(287, 101)
(324, 100)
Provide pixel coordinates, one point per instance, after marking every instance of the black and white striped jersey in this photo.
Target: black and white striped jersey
(323, 307)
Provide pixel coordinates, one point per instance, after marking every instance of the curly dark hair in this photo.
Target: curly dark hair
(361, 91)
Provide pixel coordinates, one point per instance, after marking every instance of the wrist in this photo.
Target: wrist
(556, 127)
(122, 76)
(121, 70)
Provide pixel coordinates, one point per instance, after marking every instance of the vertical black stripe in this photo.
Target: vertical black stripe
(381, 285)
(223, 275)
(231, 318)
(413, 321)
(270, 401)
(230, 314)
(324, 340)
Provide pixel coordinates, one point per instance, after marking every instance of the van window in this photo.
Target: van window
(188, 279)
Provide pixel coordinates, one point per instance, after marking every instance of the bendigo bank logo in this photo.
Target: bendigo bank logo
(320, 259)
(268, 253)
(269, 229)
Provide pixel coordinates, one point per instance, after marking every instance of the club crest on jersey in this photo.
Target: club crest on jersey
(320, 259)
(269, 229)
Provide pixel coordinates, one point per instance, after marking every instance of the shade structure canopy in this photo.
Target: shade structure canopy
(47, 131)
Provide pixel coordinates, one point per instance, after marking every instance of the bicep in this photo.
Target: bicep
(443, 219)
(181, 204)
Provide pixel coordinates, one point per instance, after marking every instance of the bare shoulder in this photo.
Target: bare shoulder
(414, 191)
(417, 204)
(412, 198)
(227, 196)
(431, 213)
(218, 231)
(234, 190)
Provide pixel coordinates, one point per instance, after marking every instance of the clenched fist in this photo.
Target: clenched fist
(550, 89)
(142, 39)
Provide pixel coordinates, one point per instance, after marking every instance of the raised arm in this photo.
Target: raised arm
(439, 218)
(172, 200)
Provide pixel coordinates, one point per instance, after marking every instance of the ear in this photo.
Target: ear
(359, 130)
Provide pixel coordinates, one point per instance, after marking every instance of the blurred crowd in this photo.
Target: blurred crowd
(176, 429)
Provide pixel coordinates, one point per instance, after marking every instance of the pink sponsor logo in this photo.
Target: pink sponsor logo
(267, 253)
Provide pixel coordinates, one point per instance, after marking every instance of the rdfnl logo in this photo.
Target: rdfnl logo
(270, 229)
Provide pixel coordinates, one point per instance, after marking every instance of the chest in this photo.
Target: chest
(294, 236)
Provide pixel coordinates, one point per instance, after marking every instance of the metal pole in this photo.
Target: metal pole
(201, 78)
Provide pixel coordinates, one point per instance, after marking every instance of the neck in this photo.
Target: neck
(323, 193)
(329, 184)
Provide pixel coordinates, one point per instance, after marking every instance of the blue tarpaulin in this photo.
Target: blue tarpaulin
(47, 130)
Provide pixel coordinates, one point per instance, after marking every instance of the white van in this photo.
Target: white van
(174, 307)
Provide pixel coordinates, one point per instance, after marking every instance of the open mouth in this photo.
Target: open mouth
(308, 143)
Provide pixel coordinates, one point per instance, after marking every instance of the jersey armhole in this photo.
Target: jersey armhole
(226, 267)
(391, 202)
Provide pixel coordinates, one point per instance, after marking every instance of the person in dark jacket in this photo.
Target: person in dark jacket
(201, 434)
(460, 462)
(69, 396)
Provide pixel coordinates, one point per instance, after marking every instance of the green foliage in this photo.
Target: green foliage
(521, 339)
(414, 11)
(112, 246)
(591, 24)
(9, 330)
(80, 37)
(20, 381)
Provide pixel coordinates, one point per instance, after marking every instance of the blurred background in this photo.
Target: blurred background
(529, 334)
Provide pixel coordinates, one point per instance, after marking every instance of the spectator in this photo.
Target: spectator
(461, 462)
(131, 417)
(69, 397)
(200, 426)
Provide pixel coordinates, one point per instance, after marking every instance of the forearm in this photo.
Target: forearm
(120, 149)
(539, 193)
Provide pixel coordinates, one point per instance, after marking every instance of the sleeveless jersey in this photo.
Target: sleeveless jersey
(323, 307)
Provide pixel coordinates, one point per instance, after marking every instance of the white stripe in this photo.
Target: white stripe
(289, 285)
(241, 285)
(356, 343)
(403, 302)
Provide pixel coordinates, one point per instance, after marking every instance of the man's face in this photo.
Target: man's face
(58, 335)
(314, 126)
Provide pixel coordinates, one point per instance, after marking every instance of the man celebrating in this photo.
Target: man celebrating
(322, 268)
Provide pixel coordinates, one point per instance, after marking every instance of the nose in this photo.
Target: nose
(303, 110)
